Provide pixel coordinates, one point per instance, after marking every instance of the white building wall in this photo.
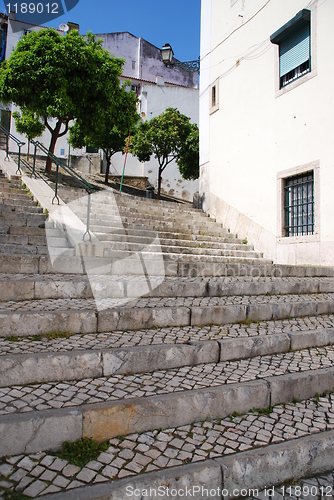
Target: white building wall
(260, 134)
(159, 97)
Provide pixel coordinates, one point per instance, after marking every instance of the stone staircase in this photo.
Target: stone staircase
(202, 363)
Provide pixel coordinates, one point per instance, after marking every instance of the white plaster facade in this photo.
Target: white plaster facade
(158, 88)
(256, 135)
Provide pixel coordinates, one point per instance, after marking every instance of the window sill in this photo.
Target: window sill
(288, 240)
(296, 83)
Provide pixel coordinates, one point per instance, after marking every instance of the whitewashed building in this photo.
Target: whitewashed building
(158, 88)
(266, 124)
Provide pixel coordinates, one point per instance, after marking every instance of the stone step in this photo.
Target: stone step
(36, 286)
(117, 405)
(172, 238)
(124, 250)
(175, 233)
(134, 242)
(28, 249)
(248, 453)
(27, 239)
(172, 268)
(176, 226)
(36, 317)
(100, 199)
(22, 219)
(33, 231)
(95, 361)
(8, 206)
(110, 215)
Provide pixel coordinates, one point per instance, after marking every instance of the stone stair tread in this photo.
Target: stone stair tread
(160, 336)
(201, 443)
(155, 302)
(36, 397)
(29, 317)
(37, 286)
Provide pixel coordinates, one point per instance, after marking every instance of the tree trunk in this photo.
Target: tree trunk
(106, 179)
(54, 137)
(159, 182)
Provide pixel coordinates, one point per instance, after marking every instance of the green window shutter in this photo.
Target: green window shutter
(294, 48)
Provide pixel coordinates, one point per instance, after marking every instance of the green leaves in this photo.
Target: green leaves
(62, 77)
(169, 136)
(28, 123)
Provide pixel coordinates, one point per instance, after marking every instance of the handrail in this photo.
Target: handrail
(18, 142)
(89, 188)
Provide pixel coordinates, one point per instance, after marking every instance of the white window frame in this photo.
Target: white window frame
(313, 56)
(281, 177)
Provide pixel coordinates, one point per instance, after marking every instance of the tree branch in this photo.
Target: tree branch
(50, 129)
(64, 131)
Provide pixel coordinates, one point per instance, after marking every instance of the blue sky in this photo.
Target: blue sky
(158, 21)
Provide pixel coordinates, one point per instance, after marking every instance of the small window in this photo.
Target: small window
(294, 41)
(299, 205)
(133, 64)
(214, 96)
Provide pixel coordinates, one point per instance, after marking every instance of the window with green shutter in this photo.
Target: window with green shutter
(294, 41)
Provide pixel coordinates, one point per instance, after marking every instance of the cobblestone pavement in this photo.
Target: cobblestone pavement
(152, 302)
(43, 473)
(168, 335)
(19, 399)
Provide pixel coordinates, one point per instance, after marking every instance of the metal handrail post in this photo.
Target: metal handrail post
(19, 161)
(56, 187)
(34, 163)
(88, 220)
(7, 157)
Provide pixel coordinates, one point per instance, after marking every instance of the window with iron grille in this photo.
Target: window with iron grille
(299, 205)
(294, 41)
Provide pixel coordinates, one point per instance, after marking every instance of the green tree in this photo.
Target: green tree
(29, 124)
(169, 136)
(109, 131)
(60, 78)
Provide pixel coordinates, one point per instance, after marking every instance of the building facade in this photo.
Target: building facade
(157, 87)
(266, 123)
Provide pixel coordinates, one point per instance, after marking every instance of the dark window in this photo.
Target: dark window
(294, 41)
(299, 205)
(213, 96)
(90, 149)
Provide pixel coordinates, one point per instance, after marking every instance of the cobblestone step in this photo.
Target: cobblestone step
(36, 317)
(191, 335)
(179, 408)
(74, 364)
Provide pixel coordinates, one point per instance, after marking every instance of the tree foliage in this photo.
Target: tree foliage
(169, 136)
(60, 78)
(28, 124)
(115, 120)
